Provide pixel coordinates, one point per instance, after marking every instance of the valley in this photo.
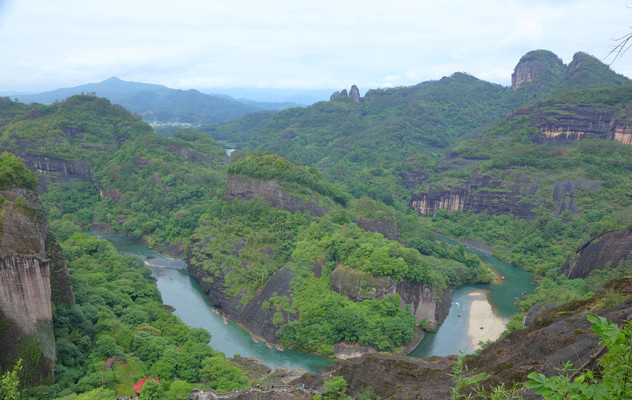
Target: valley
(318, 235)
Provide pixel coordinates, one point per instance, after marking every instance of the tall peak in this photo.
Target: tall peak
(537, 65)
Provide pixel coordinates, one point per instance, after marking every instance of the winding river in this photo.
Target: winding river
(181, 291)
(453, 336)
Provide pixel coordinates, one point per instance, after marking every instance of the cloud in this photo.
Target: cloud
(282, 43)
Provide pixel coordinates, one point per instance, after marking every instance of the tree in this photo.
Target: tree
(152, 390)
(622, 46)
(9, 383)
(335, 388)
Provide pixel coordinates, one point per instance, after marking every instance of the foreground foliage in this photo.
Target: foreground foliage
(612, 381)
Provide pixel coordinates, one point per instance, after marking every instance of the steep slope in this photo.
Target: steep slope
(506, 169)
(33, 275)
(542, 71)
(538, 70)
(608, 250)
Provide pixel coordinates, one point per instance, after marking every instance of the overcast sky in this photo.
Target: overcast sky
(48, 44)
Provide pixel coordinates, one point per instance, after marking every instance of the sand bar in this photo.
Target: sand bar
(482, 316)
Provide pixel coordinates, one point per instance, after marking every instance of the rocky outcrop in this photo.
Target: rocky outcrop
(480, 193)
(26, 322)
(606, 250)
(564, 193)
(386, 227)
(425, 303)
(256, 316)
(537, 65)
(34, 276)
(509, 192)
(587, 71)
(190, 155)
(57, 170)
(353, 94)
(569, 124)
(244, 188)
(542, 70)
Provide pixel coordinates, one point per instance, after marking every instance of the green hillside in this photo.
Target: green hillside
(171, 191)
(386, 145)
(568, 173)
(538, 169)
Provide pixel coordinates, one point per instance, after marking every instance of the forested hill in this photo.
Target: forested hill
(385, 143)
(534, 171)
(99, 163)
(273, 223)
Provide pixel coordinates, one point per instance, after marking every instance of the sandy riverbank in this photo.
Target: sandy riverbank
(483, 324)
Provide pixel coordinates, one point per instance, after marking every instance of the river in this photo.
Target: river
(181, 291)
(453, 336)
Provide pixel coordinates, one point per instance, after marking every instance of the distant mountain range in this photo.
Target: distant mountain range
(160, 103)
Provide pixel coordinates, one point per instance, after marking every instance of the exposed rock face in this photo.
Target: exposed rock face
(386, 227)
(586, 70)
(253, 316)
(564, 193)
(481, 193)
(512, 192)
(609, 248)
(51, 169)
(190, 155)
(424, 302)
(33, 274)
(354, 94)
(26, 322)
(537, 65)
(569, 124)
(245, 188)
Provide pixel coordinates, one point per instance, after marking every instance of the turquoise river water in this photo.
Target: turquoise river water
(181, 291)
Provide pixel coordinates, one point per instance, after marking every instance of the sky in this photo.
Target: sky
(300, 44)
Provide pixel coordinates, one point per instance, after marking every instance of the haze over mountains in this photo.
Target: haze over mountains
(160, 103)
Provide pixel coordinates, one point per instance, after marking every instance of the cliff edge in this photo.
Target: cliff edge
(34, 276)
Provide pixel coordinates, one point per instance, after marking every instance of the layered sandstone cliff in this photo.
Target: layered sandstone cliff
(480, 193)
(569, 124)
(33, 276)
(55, 170)
(507, 193)
(537, 66)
